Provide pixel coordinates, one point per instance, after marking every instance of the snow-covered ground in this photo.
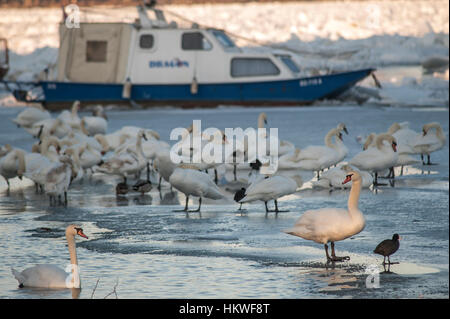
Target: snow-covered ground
(333, 36)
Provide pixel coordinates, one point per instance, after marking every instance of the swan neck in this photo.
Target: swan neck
(354, 196)
(72, 249)
(328, 139)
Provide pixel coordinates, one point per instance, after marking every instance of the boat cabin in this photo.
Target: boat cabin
(156, 52)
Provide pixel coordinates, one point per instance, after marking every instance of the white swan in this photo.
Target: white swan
(164, 165)
(333, 177)
(332, 224)
(55, 127)
(429, 141)
(51, 276)
(271, 188)
(192, 182)
(31, 115)
(71, 118)
(12, 165)
(95, 125)
(317, 158)
(58, 179)
(379, 158)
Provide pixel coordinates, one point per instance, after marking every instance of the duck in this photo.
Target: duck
(268, 188)
(329, 225)
(431, 140)
(121, 188)
(379, 158)
(191, 182)
(143, 186)
(51, 276)
(388, 247)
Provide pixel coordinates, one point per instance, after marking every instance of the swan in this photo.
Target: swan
(289, 160)
(333, 177)
(12, 165)
(429, 141)
(71, 118)
(51, 276)
(328, 225)
(164, 165)
(271, 188)
(58, 179)
(188, 180)
(31, 115)
(55, 127)
(127, 160)
(317, 158)
(5, 149)
(379, 158)
(94, 125)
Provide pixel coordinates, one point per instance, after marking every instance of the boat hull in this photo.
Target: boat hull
(282, 92)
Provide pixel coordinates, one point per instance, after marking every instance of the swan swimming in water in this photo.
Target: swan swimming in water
(51, 276)
(328, 225)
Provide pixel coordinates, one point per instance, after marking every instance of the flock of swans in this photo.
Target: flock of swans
(69, 148)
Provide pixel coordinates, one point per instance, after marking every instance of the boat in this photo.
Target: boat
(154, 62)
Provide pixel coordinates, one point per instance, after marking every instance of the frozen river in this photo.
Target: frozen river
(139, 244)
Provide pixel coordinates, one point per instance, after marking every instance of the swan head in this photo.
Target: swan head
(342, 127)
(73, 230)
(429, 126)
(353, 176)
(369, 141)
(142, 134)
(262, 120)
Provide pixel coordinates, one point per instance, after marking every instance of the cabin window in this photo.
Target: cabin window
(253, 67)
(287, 60)
(223, 39)
(146, 41)
(96, 51)
(195, 41)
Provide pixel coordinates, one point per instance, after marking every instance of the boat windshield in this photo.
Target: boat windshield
(287, 60)
(224, 40)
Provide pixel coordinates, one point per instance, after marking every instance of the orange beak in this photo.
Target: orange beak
(347, 179)
(80, 233)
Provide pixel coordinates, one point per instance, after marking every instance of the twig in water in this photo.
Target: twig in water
(93, 291)
(114, 291)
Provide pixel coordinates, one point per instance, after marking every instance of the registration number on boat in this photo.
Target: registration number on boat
(310, 82)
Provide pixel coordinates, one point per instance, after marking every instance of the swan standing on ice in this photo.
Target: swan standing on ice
(51, 276)
(188, 180)
(379, 158)
(12, 165)
(328, 225)
(430, 141)
(317, 158)
(271, 188)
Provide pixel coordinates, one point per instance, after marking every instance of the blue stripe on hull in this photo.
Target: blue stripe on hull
(297, 90)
